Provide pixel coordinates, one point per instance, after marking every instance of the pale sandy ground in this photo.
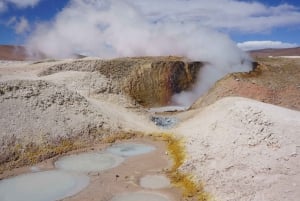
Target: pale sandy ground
(244, 150)
(239, 148)
(287, 57)
(69, 101)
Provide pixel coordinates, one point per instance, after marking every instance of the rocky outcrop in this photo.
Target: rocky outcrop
(40, 112)
(274, 81)
(155, 83)
(41, 119)
(150, 81)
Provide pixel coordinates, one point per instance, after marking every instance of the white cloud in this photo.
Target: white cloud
(101, 26)
(11, 21)
(256, 45)
(221, 14)
(24, 3)
(20, 25)
(18, 3)
(2, 6)
(117, 28)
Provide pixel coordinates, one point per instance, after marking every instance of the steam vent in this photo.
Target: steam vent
(150, 81)
(154, 83)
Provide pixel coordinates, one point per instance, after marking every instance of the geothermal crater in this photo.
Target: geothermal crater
(93, 124)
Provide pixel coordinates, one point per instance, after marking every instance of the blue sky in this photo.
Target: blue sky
(42, 11)
(244, 21)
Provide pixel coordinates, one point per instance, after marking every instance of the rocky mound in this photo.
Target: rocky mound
(242, 150)
(275, 81)
(150, 81)
(40, 112)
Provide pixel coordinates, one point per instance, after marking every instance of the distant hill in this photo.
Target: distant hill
(9, 52)
(276, 52)
(19, 53)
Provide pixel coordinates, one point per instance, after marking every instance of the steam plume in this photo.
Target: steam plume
(115, 28)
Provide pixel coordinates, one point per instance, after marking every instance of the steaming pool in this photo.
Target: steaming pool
(70, 177)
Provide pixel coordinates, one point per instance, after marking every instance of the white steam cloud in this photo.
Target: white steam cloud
(115, 28)
(18, 3)
(20, 25)
(257, 45)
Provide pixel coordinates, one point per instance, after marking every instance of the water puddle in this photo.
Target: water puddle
(164, 122)
(103, 172)
(155, 182)
(42, 186)
(138, 196)
(35, 169)
(89, 162)
(168, 109)
(130, 149)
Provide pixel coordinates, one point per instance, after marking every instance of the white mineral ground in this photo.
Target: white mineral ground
(287, 57)
(239, 148)
(244, 150)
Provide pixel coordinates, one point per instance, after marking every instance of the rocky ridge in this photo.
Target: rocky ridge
(150, 81)
(274, 81)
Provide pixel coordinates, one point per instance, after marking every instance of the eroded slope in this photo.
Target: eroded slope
(243, 149)
(275, 81)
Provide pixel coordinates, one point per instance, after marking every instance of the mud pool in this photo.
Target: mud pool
(140, 196)
(89, 162)
(130, 149)
(155, 181)
(42, 186)
(132, 170)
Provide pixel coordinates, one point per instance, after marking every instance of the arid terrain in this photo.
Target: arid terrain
(275, 81)
(275, 52)
(15, 53)
(241, 139)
